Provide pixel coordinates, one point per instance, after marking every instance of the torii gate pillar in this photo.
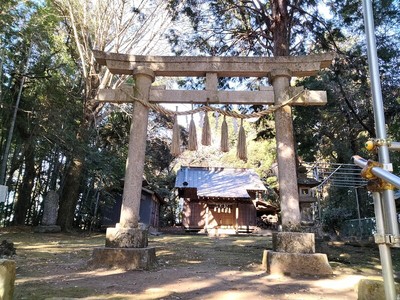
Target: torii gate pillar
(286, 156)
(144, 77)
(127, 243)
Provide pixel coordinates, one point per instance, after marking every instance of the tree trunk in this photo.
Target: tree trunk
(55, 171)
(280, 27)
(69, 198)
(3, 168)
(25, 195)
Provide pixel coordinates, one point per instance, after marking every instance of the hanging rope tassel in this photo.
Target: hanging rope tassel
(224, 136)
(206, 134)
(192, 145)
(241, 146)
(176, 144)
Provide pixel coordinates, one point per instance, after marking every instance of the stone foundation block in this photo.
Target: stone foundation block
(296, 263)
(293, 242)
(126, 238)
(123, 258)
(7, 279)
(47, 229)
(373, 289)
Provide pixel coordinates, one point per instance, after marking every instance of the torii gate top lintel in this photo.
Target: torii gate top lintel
(226, 66)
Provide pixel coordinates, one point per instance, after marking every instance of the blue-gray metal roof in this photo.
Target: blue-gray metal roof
(219, 182)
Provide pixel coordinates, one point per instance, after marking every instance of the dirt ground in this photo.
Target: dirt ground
(53, 266)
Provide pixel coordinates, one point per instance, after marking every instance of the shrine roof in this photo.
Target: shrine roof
(219, 182)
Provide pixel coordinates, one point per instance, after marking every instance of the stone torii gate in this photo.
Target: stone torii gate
(127, 241)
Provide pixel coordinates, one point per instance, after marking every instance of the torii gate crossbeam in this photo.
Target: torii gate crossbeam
(198, 66)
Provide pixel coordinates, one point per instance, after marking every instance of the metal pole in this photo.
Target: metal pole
(387, 208)
(380, 125)
(375, 81)
(394, 146)
(378, 172)
(384, 250)
(358, 213)
(1, 74)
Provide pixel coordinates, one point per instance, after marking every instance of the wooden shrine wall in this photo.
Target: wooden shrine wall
(194, 216)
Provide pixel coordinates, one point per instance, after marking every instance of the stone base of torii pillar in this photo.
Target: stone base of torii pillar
(294, 254)
(125, 248)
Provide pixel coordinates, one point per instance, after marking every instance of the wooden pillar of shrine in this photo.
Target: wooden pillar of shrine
(207, 219)
(237, 218)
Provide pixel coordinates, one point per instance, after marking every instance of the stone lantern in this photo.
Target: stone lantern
(307, 196)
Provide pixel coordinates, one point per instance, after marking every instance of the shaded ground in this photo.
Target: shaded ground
(51, 266)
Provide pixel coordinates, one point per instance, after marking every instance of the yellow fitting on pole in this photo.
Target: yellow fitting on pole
(375, 184)
(379, 185)
(366, 172)
(370, 145)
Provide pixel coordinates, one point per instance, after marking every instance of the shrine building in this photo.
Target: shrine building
(227, 200)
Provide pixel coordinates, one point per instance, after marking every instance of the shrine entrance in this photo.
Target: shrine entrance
(281, 96)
